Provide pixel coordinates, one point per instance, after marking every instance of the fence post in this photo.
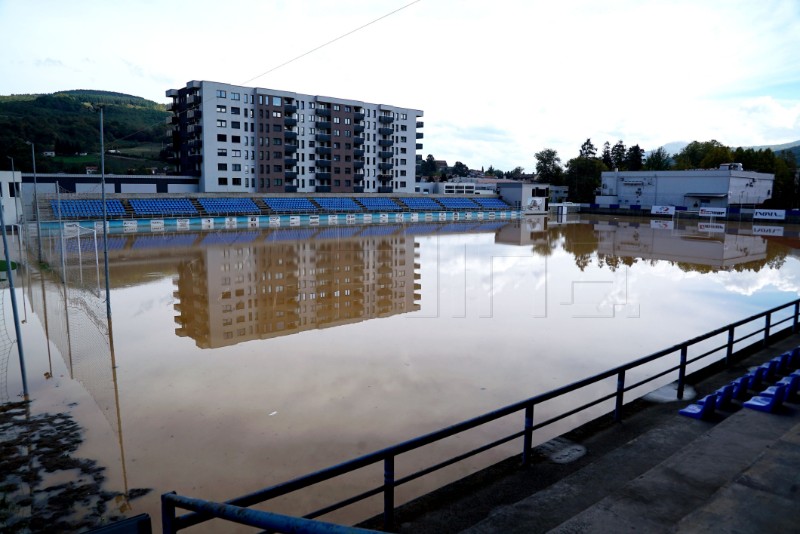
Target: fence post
(729, 352)
(620, 393)
(682, 371)
(796, 314)
(388, 493)
(528, 440)
(767, 321)
(167, 514)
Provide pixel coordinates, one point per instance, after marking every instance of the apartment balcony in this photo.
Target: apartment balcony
(323, 125)
(290, 189)
(419, 157)
(289, 108)
(386, 119)
(323, 112)
(358, 164)
(385, 131)
(193, 99)
(359, 116)
(419, 135)
(358, 188)
(419, 146)
(323, 176)
(358, 152)
(358, 128)
(323, 138)
(172, 119)
(385, 189)
(289, 175)
(323, 150)
(323, 163)
(420, 124)
(290, 162)
(194, 129)
(323, 188)
(385, 166)
(172, 93)
(385, 142)
(358, 140)
(384, 177)
(194, 114)
(358, 177)
(385, 154)
(289, 134)
(289, 149)
(195, 143)
(288, 121)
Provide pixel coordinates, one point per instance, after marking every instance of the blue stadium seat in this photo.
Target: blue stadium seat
(337, 204)
(704, 409)
(770, 400)
(421, 204)
(229, 206)
(379, 204)
(492, 203)
(457, 203)
(290, 205)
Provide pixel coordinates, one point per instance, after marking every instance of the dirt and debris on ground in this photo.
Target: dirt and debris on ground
(43, 486)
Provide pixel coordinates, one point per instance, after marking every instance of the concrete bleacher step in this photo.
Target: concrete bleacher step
(199, 207)
(687, 488)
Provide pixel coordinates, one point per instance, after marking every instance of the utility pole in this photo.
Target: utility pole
(105, 214)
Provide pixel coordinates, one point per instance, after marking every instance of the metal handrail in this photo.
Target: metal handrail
(387, 455)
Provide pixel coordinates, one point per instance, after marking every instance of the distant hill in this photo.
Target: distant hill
(67, 123)
(793, 147)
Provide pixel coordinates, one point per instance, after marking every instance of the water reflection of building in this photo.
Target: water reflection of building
(698, 244)
(258, 290)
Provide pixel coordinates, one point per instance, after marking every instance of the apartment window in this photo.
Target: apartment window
(347, 121)
(276, 101)
(236, 181)
(277, 141)
(221, 123)
(236, 111)
(247, 182)
(347, 170)
(347, 133)
(277, 128)
(222, 109)
(403, 127)
(337, 157)
(403, 173)
(277, 168)
(236, 167)
(277, 155)
(336, 145)
(235, 125)
(405, 116)
(336, 107)
(403, 139)
(221, 94)
(261, 99)
(222, 166)
(236, 139)
(235, 96)
(347, 108)
(337, 170)
(222, 152)
(277, 114)
(222, 181)
(402, 162)
(312, 131)
(336, 120)
(337, 183)
(348, 158)
(236, 153)
(347, 146)
(222, 138)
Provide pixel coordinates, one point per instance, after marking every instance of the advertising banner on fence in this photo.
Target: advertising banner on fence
(776, 231)
(230, 222)
(333, 219)
(294, 220)
(252, 222)
(274, 220)
(775, 215)
(183, 224)
(129, 226)
(714, 228)
(662, 224)
(662, 210)
(712, 212)
(157, 225)
(313, 220)
(207, 223)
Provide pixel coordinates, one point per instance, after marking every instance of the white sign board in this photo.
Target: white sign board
(775, 215)
(313, 220)
(294, 220)
(157, 225)
(414, 217)
(333, 219)
(768, 230)
(183, 224)
(662, 225)
(383, 217)
(662, 210)
(367, 218)
(714, 228)
(129, 226)
(207, 223)
(712, 212)
(442, 216)
(230, 222)
(274, 220)
(98, 226)
(399, 217)
(252, 222)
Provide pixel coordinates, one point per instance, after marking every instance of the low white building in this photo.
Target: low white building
(730, 185)
(9, 187)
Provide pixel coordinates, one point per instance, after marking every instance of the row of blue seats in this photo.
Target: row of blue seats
(229, 205)
(290, 205)
(86, 208)
(781, 372)
(337, 204)
(172, 206)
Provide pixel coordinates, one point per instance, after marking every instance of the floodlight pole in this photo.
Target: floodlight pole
(14, 296)
(36, 201)
(105, 215)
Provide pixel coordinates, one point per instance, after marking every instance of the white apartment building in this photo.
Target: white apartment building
(239, 139)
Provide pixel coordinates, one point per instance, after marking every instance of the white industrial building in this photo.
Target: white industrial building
(730, 185)
(254, 140)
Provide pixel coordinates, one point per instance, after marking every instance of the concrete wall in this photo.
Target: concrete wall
(138, 188)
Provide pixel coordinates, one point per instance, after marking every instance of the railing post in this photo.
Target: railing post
(682, 371)
(167, 514)
(796, 314)
(528, 439)
(767, 321)
(388, 493)
(729, 352)
(620, 393)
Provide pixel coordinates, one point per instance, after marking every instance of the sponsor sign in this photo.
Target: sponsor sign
(456, 216)
(274, 220)
(775, 215)
(399, 217)
(480, 215)
(294, 220)
(414, 217)
(662, 210)
(492, 215)
(442, 216)
(313, 220)
(429, 216)
(333, 219)
(468, 215)
(230, 222)
(662, 225)
(98, 226)
(713, 228)
(712, 212)
(207, 223)
(183, 224)
(130, 226)
(513, 214)
(72, 229)
(367, 218)
(383, 217)
(503, 215)
(768, 230)
(157, 225)
(252, 222)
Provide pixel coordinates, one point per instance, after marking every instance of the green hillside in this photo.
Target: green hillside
(68, 123)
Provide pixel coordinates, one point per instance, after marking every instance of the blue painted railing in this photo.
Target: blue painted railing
(203, 511)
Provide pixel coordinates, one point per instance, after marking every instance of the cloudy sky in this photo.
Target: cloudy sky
(498, 81)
